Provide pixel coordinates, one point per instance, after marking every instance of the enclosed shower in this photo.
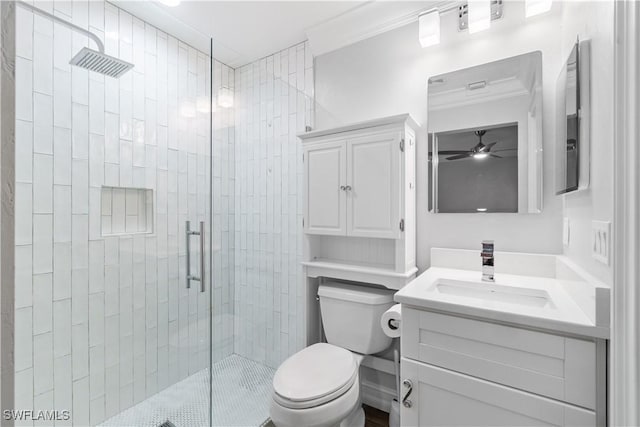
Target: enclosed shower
(158, 221)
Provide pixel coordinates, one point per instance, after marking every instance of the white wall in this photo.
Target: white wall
(387, 75)
(595, 22)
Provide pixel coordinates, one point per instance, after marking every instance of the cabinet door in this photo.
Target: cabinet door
(373, 183)
(445, 398)
(325, 198)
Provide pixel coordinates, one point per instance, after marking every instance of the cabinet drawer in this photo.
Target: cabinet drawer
(440, 397)
(550, 365)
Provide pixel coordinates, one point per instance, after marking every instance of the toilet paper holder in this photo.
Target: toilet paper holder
(393, 324)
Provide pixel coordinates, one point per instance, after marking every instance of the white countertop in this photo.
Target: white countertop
(571, 306)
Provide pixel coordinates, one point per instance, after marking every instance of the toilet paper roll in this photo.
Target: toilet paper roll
(391, 321)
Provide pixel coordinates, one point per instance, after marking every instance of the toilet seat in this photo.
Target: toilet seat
(314, 376)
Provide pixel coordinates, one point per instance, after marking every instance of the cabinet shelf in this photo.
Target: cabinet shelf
(384, 275)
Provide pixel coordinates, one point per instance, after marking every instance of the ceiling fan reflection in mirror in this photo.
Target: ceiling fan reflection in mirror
(479, 151)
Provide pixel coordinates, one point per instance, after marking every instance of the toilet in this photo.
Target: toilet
(319, 386)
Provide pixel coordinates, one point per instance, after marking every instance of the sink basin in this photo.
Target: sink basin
(492, 292)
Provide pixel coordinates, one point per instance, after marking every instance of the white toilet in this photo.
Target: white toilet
(319, 386)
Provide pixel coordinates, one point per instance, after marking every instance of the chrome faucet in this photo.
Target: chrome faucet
(487, 261)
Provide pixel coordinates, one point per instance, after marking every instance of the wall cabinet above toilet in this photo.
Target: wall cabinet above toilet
(358, 182)
(359, 201)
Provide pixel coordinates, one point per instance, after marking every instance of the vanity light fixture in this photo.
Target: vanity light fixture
(429, 28)
(536, 7)
(481, 209)
(479, 15)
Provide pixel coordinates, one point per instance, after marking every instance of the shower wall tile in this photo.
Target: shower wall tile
(110, 316)
(272, 104)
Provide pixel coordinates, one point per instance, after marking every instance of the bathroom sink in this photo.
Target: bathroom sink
(492, 292)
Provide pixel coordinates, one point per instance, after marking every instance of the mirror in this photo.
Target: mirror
(485, 137)
(572, 146)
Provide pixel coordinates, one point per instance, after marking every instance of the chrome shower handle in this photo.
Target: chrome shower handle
(188, 234)
(202, 289)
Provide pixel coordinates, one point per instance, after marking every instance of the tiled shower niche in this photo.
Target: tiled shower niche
(126, 211)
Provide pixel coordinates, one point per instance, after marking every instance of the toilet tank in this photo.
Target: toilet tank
(351, 316)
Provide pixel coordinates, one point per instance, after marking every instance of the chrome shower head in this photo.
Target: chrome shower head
(100, 63)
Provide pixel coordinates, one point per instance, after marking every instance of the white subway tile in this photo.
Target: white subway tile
(62, 271)
(42, 243)
(79, 241)
(62, 328)
(42, 303)
(42, 63)
(61, 213)
(96, 107)
(80, 351)
(61, 156)
(80, 186)
(42, 363)
(80, 399)
(24, 33)
(62, 385)
(23, 339)
(42, 123)
(62, 99)
(62, 46)
(24, 89)
(24, 276)
(42, 183)
(24, 151)
(24, 214)
(80, 131)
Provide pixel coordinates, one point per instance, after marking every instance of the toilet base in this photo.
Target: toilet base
(355, 419)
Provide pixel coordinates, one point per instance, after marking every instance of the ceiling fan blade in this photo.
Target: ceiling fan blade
(489, 146)
(495, 155)
(451, 152)
(459, 156)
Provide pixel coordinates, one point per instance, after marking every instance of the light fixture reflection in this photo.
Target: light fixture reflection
(225, 97)
(536, 7)
(479, 15)
(481, 209)
(170, 3)
(429, 28)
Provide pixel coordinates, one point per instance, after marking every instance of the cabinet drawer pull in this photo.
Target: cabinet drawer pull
(405, 400)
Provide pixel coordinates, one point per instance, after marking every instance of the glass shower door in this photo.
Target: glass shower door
(113, 220)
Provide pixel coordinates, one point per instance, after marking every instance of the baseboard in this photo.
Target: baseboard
(375, 395)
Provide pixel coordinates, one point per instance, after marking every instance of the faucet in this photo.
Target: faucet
(487, 261)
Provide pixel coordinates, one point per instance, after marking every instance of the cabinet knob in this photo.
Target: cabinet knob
(343, 188)
(348, 188)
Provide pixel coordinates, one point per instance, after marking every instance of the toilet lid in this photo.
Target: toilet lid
(315, 375)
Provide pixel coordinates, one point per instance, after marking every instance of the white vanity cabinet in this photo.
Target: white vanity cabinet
(357, 179)
(466, 371)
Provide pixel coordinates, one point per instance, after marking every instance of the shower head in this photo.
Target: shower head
(93, 60)
(100, 63)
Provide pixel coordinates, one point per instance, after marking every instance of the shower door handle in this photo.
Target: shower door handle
(188, 234)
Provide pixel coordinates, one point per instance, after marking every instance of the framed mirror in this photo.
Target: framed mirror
(485, 138)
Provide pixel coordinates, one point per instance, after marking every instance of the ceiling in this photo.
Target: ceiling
(244, 31)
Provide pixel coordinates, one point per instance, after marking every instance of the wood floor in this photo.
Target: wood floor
(375, 417)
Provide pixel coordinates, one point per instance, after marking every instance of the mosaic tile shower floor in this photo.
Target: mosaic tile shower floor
(241, 395)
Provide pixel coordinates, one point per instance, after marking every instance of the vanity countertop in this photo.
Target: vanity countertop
(536, 291)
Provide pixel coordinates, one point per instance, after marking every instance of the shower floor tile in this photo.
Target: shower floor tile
(241, 395)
